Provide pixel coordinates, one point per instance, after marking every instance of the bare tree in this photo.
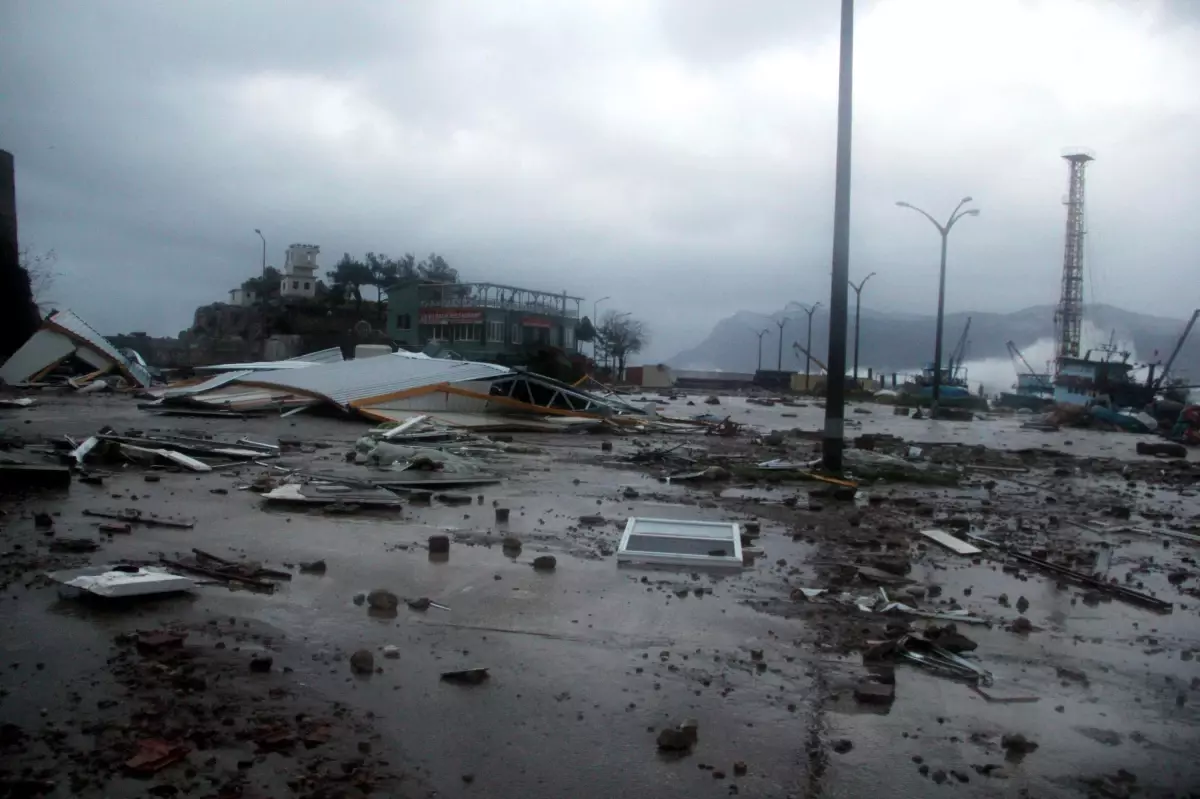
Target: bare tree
(42, 273)
(621, 336)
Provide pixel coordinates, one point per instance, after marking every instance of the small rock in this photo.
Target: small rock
(1071, 675)
(1017, 744)
(873, 693)
(391, 652)
(360, 598)
(939, 776)
(362, 662)
(673, 739)
(740, 768)
(1022, 604)
(545, 563)
(313, 567)
(382, 599)
(261, 663)
(439, 544)
(1021, 625)
(842, 745)
(466, 676)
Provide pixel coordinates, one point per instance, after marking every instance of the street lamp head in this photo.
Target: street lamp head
(903, 204)
(971, 212)
(966, 200)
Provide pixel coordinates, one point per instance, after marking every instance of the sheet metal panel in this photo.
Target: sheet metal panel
(950, 542)
(75, 326)
(330, 355)
(214, 382)
(353, 381)
(42, 349)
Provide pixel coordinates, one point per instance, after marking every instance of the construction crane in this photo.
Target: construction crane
(1187, 331)
(801, 351)
(1019, 360)
(960, 352)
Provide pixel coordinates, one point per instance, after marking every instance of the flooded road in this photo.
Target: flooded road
(589, 662)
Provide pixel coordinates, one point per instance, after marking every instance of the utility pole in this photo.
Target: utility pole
(808, 347)
(944, 230)
(263, 283)
(596, 324)
(781, 323)
(835, 386)
(857, 313)
(760, 335)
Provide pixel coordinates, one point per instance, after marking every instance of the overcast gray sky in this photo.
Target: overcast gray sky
(677, 155)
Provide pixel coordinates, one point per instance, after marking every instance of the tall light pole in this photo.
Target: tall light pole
(263, 287)
(607, 350)
(944, 230)
(810, 310)
(760, 335)
(781, 323)
(596, 323)
(835, 386)
(857, 312)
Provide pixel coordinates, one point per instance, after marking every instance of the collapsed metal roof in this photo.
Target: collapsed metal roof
(330, 355)
(71, 324)
(352, 382)
(64, 334)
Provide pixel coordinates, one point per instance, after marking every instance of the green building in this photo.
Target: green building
(481, 321)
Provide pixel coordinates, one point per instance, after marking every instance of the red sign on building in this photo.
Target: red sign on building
(535, 321)
(440, 316)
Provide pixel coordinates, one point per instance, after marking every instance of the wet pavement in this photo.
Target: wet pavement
(590, 661)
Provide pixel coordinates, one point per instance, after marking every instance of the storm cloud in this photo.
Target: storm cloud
(676, 155)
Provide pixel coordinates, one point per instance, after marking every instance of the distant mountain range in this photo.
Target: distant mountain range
(896, 342)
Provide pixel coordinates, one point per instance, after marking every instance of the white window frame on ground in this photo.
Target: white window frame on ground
(709, 536)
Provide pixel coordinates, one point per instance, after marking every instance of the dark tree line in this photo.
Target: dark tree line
(351, 275)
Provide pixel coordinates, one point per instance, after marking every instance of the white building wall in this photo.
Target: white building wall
(299, 271)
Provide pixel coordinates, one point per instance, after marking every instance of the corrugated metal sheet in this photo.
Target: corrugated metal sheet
(331, 355)
(214, 382)
(353, 381)
(254, 365)
(86, 334)
(43, 348)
